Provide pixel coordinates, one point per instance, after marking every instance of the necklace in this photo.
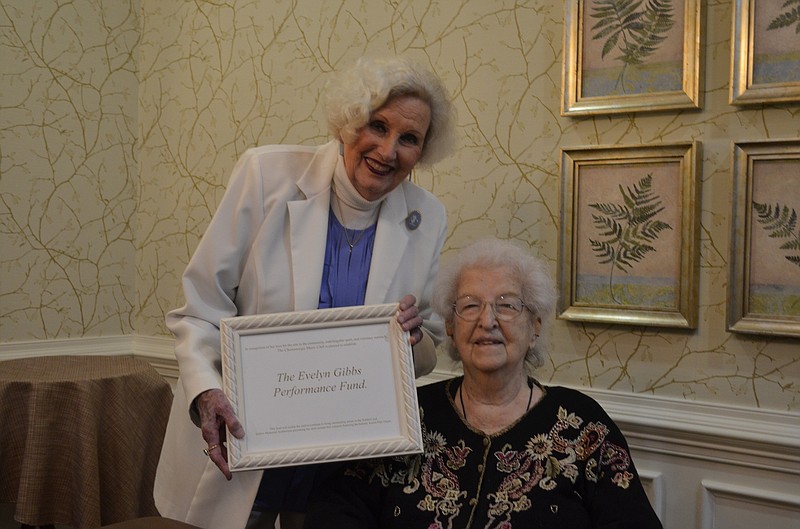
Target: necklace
(464, 411)
(350, 242)
(357, 238)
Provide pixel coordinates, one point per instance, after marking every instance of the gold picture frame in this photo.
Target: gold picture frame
(765, 65)
(604, 73)
(764, 282)
(629, 242)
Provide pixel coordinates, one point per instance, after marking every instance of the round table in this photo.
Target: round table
(80, 438)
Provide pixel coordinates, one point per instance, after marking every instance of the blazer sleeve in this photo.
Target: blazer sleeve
(433, 326)
(211, 279)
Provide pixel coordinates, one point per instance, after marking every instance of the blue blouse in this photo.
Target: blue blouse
(345, 271)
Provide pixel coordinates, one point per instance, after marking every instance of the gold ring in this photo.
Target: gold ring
(207, 451)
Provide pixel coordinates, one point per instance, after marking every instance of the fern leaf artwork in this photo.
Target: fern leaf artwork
(787, 18)
(628, 230)
(781, 223)
(636, 28)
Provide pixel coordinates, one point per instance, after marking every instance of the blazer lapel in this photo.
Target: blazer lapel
(391, 240)
(308, 221)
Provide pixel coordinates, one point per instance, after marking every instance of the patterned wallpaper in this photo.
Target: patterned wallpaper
(104, 193)
(68, 169)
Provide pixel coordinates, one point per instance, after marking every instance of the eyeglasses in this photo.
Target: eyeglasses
(505, 308)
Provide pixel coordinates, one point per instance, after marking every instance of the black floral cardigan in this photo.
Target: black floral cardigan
(563, 465)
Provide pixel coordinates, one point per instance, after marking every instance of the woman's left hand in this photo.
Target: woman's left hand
(409, 318)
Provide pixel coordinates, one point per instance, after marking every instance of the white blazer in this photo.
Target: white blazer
(263, 252)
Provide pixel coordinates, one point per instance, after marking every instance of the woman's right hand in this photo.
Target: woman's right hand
(215, 414)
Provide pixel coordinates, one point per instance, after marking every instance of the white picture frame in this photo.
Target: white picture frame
(336, 384)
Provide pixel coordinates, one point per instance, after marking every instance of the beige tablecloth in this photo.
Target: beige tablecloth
(80, 438)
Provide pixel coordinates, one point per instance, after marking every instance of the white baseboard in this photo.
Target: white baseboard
(156, 350)
(104, 345)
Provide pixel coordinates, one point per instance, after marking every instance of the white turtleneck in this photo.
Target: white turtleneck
(352, 210)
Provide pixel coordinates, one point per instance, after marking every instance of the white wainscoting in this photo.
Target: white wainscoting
(733, 505)
(704, 465)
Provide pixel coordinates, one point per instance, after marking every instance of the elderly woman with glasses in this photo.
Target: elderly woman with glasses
(501, 450)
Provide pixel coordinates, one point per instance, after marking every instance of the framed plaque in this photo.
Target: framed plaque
(319, 386)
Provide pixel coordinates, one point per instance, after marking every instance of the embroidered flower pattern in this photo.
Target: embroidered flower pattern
(568, 452)
(622, 479)
(435, 444)
(507, 460)
(539, 447)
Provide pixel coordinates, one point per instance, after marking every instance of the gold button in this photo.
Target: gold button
(473, 501)
(485, 441)
(480, 468)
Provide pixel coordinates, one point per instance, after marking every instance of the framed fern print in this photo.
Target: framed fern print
(766, 52)
(628, 249)
(764, 282)
(632, 56)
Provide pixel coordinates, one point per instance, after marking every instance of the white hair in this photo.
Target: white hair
(538, 291)
(352, 96)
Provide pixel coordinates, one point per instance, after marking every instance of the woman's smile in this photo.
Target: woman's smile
(388, 147)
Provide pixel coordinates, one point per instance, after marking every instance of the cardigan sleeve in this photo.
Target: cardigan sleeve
(617, 499)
